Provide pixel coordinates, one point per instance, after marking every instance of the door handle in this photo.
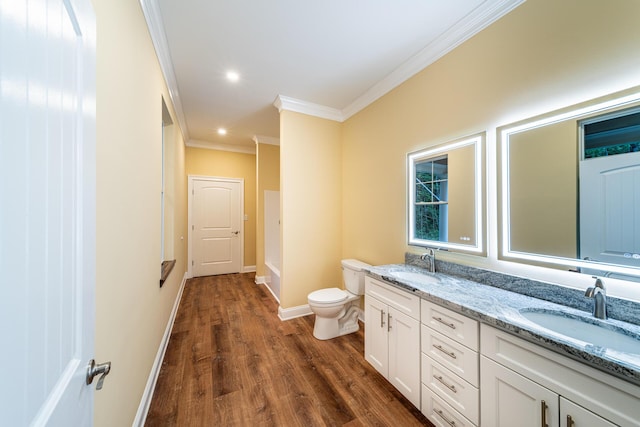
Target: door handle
(94, 370)
(235, 232)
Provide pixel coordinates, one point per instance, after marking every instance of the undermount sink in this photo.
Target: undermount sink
(413, 276)
(584, 329)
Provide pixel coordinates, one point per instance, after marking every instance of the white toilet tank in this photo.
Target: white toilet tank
(353, 275)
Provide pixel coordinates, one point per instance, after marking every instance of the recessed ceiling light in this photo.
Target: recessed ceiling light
(232, 76)
(222, 131)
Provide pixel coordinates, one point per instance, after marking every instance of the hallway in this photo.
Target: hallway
(232, 362)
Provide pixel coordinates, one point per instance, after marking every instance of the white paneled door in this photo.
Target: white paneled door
(47, 211)
(610, 209)
(216, 226)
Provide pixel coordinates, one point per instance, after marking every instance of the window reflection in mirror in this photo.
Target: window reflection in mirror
(432, 195)
(569, 188)
(445, 194)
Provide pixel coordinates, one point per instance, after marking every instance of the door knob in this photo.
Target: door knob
(94, 370)
(235, 232)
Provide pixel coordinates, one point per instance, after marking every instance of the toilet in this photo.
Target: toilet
(336, 309)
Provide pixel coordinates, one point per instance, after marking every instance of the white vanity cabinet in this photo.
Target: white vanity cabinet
(392, 336)
(450, 377)
(526, 385)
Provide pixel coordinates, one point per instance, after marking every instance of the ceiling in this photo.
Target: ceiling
(329, 58)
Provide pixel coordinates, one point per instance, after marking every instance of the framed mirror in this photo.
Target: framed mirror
(446, 196)
(569, 188)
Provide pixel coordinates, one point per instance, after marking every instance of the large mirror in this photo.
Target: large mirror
(446, 195)
(570, 188)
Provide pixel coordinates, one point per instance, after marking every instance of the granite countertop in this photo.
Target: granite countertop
(502, 309)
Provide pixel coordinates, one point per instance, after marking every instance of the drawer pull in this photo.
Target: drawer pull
(382, 318)
(440, 320)
(446, 420)
(449, 386)
(543, 414)
(448, 353)
(570, 422)
(389, 323)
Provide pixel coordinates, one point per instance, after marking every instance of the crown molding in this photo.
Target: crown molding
(466, 28)
(246, 149)
(261, 139)
(300, 106)
(482, 17)
(152, 15)
(469, 26)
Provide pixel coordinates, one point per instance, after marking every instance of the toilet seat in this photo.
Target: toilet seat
(328, 296)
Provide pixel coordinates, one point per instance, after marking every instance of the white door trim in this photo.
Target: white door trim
(191, 179)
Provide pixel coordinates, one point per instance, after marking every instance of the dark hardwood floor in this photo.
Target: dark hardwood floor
(232, 362)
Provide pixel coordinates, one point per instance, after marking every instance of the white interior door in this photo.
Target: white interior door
(610, 209)
(216, 229)
(47, 210)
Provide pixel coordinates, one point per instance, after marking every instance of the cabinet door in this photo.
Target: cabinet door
(508, 399)
(404, 355)
(579, 416)
(376, 346)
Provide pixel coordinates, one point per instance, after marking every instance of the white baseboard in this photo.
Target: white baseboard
(260, 280)
(249, 269)
(145, 402)
(293, 312)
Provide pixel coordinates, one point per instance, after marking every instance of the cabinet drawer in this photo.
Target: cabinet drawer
(455, 326)
(452, 355)
(403, 301)
(439, 412)
(459, 394)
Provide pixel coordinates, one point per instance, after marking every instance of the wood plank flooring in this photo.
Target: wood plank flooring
(232, 362)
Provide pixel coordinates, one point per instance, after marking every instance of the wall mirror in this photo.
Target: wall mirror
(446, 196)
(570, 188)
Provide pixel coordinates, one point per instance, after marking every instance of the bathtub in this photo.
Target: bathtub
(273, 279)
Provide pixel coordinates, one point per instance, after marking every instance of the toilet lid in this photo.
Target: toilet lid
(328, 295)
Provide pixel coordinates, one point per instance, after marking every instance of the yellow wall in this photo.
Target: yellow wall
(311, 206)
(544, 55)
(268, 177)
(132, 311)
(226, 164)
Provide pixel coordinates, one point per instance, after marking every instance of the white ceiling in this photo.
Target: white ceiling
(326, 57)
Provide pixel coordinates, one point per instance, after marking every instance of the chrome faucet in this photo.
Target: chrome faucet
(599, 296)
(430, 257)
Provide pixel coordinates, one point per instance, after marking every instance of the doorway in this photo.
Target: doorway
(216, 231)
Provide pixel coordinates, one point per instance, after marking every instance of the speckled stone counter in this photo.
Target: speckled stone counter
(503, 309)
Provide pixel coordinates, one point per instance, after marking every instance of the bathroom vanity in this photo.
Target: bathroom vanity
(485, 361)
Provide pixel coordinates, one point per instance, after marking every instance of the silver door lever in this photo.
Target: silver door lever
(94, 370)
